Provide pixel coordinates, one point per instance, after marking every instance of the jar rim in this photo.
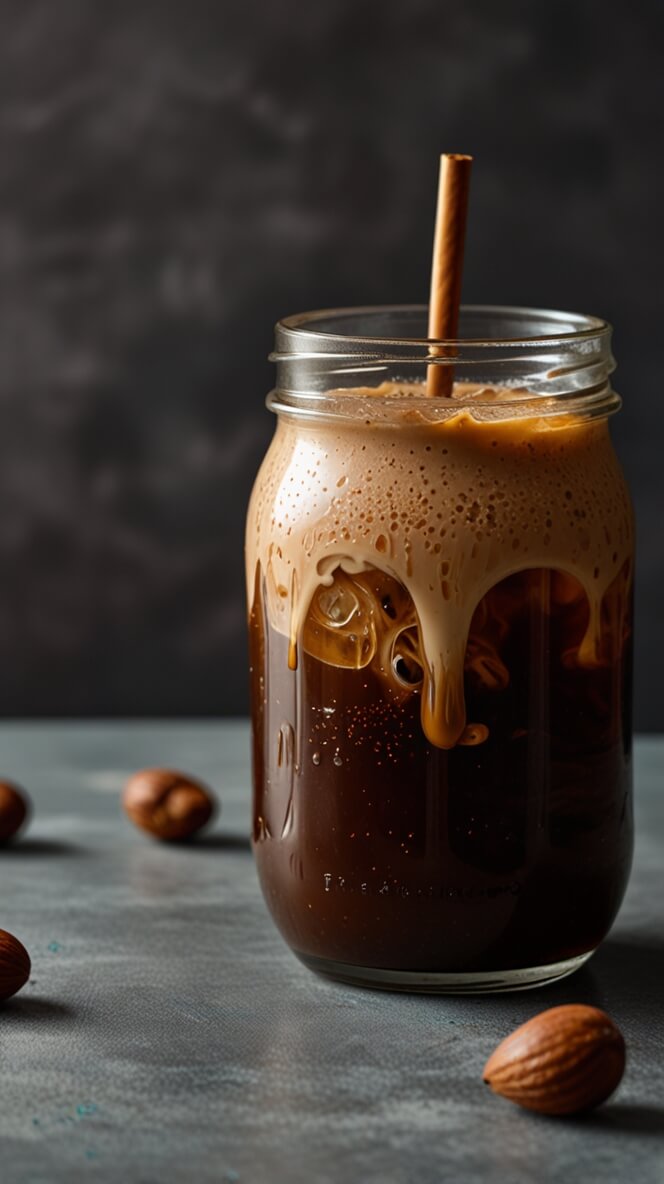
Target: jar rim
(305, 326)
(554, 360)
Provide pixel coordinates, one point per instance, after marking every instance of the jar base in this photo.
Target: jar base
(432, 983)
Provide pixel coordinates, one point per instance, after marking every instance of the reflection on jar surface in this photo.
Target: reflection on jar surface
(440, 631)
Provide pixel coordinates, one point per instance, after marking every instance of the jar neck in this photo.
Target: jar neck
(545, 362)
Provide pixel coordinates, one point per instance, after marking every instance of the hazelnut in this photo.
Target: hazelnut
(14, 965)
(13, 810)
(168, 804)
(563, 1061)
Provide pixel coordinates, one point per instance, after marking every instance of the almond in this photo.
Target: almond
(563, 1061)
(14, 965)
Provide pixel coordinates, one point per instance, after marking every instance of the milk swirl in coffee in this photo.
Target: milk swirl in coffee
(440, 620)
(447, 510)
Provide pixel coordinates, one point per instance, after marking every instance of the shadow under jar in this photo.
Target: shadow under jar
(440, 629)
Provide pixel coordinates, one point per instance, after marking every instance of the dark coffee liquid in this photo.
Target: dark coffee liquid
(512, 849)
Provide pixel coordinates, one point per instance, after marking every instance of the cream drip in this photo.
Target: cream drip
(448, 509)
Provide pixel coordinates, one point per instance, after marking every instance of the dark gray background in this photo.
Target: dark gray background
(173, 177)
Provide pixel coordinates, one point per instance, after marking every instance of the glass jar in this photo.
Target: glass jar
(440, 621)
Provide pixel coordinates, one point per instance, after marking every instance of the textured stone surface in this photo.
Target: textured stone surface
(177, 175)
(167, 1033)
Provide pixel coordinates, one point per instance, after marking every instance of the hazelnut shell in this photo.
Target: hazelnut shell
(14, 810)
(14, 965)
(167, 804)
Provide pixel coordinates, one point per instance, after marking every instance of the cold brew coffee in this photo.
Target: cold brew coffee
(440, 620)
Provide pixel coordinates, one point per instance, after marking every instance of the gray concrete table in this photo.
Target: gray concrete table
(167, 1034)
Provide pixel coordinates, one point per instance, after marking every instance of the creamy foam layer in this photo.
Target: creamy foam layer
(448, 509)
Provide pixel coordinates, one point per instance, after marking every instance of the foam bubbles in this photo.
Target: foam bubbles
(448, 508)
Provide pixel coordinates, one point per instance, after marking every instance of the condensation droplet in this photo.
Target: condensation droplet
(261, 830)
(315, 758)
(285, 745)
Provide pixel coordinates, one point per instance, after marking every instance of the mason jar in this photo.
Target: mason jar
(440, 598)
